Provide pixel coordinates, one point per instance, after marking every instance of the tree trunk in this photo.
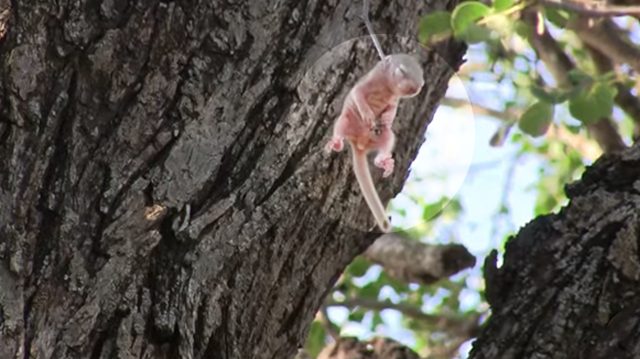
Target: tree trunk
(163, 189)
(569, 286)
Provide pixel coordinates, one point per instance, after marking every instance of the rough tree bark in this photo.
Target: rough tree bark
(163, 192)
(569, 286)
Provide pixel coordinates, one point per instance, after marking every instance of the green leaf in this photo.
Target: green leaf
(545, 203)
(573, 129)
(501, 5)
(315, 339)
(398, 286)
(578, 76)
(475, 34)
(582, 109)
(434, 209)
(356, 315)
(454, 207)
(553, 96)
(434, 25)
(541, 94)
(557, 17)
(591, 105)
(377, 320)
(466, 14)
(359, 267)
(536, 119)
(522, 29)
(370, 291)
(502, 24)
(607, 76)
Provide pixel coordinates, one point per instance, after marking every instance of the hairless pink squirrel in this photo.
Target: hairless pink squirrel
(367, 114)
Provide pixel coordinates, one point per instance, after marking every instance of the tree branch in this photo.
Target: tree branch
(631, 106)
(628, 102)
(405, 309)
(441, 322)
(592, 9)
(559, 64)
(345, 348)
(585, 147)
(377, 348)
(541, 271)
(413, 261)
(605, 36)
(508, 115)
(387, 348)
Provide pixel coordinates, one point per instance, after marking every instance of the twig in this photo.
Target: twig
(628, 102)
(592, 8)
(440, 321)
(504, 201)
(586, 148)
(409, 310)
(559, 64)
(605, 36)
(510, 11)
(507, 116)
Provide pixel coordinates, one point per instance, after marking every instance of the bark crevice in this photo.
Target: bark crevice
(566, 276)
(163, 192)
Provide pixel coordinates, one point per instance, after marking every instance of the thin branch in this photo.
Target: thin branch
(548, 50)
(344, 348)
(458, 329)
(439, 321)
(629, 103)
(592, 8)
(507, 116)
(587, 149)
(413, 261)
(405, 309)
(559, 64)
(605, 132)
(582, 145)
(469, 68)
(389, 348)
(555, 132)
(504, 202)
(606, 37)
(631, 106)
(352, 348)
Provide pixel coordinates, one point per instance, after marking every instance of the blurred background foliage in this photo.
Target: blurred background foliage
(550, 85)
